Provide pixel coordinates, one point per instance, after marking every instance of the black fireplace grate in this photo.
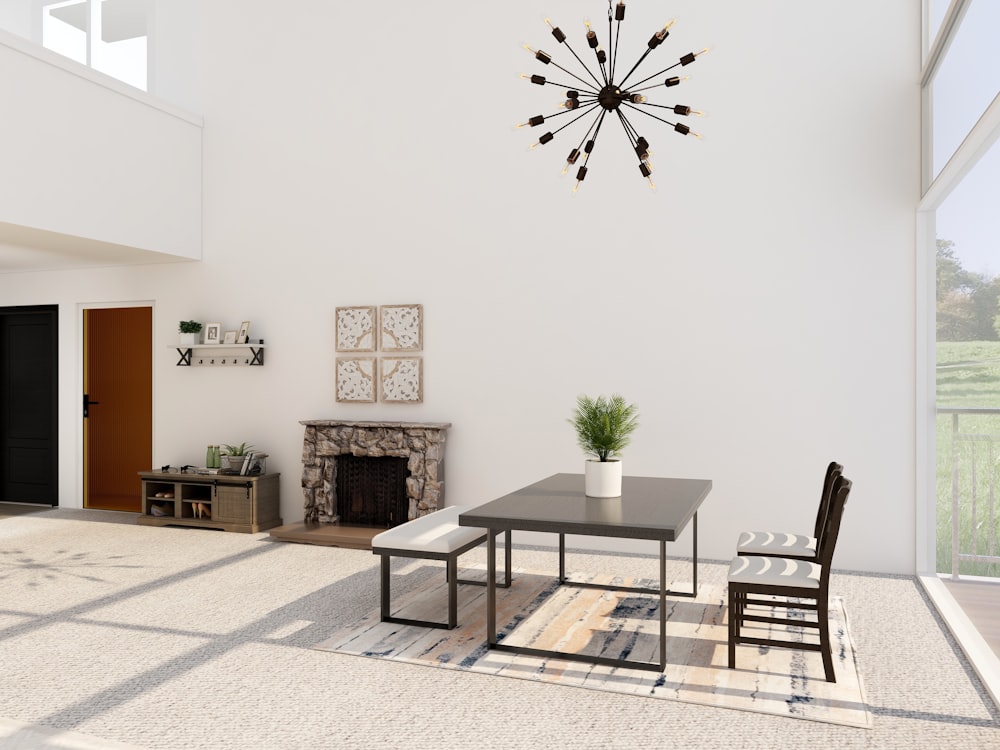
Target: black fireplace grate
(371, 491)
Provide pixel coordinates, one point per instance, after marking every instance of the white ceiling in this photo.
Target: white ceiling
(120, 19)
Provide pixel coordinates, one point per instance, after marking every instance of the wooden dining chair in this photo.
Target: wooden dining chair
(792, 581)
(786, 544)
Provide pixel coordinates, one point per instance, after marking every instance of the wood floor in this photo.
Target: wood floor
(327, 534)
(981, 602)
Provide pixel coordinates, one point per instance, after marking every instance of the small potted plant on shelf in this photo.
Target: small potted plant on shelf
(603, 429)
(233, 456)
(189, 330)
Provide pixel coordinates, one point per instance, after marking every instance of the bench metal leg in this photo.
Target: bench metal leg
(451, 576)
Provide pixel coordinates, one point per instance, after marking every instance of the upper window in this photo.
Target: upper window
(113, 41)
(967, 80)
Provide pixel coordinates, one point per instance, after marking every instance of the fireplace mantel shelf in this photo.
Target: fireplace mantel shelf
(376, 424)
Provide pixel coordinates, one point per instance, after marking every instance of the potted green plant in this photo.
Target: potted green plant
(233, 455)
(604, 426)
(189, 330)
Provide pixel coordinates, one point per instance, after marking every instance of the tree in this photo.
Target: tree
(951, 277)
(968, 303)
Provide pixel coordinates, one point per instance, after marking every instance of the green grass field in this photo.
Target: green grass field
(968, 376)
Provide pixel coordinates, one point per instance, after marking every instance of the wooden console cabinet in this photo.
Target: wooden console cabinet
(211, 501)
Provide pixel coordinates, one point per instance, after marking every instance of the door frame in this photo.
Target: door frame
(79, 380)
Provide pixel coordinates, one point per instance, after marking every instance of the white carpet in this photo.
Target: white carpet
(187, 639)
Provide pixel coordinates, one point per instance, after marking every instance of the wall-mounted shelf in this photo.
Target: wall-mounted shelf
(220, 354)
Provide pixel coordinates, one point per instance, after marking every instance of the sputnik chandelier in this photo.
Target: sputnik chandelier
(602, 97)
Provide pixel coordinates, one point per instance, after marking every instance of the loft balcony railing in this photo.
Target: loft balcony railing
(974, 485)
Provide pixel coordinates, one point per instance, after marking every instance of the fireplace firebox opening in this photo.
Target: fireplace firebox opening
(371, 491)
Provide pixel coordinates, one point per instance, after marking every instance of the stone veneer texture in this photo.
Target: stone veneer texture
(422, 444)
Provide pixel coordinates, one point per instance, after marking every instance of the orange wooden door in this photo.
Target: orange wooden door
(118, 406)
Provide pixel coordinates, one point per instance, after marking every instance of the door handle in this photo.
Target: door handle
(87, 403)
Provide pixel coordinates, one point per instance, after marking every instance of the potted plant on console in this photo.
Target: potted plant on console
(233, 457)
(189, 330)
(604, 426)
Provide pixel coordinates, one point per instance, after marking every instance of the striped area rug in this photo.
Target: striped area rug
(537, 612)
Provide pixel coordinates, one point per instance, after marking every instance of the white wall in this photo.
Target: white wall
(15, 17)
(758, 307)
(92, 159)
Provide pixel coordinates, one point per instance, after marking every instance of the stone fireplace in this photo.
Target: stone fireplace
(421, 444)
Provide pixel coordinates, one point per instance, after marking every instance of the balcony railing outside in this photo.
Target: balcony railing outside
(968, 486)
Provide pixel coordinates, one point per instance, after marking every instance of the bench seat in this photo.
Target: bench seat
(435, 536)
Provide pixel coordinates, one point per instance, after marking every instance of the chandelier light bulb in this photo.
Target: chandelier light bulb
(556, 32)
(541, 56)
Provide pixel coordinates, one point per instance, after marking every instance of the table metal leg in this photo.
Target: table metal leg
(694, 555)
(507, 557)
(663, 605)
(491, 588)
(562, 558)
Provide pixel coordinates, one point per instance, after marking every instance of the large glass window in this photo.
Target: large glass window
(967, 80)
(968, 372)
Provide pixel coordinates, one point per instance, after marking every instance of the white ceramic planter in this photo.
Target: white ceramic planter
(189, 339)
(603, 478)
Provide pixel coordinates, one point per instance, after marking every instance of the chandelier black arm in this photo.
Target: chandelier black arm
(637, 64)
(627, 126)
(650, 114)
(661, 106)
(586, 135)
(562, 112)
(591, 92)
(585, 83)
(597, 132)
(665, 70)
(586, 111)
(627, 123)
(614, 53)
(589, 72)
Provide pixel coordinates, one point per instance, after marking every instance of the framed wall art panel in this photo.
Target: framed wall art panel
(402, 328)
(356, 329)
(402, 379)
(355, 380)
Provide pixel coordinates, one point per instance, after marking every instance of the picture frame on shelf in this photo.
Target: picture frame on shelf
(401, 380)
(243, 336)
(355, 379)
(213, 333)
(229, 337)
(356, 328)
(402, 328)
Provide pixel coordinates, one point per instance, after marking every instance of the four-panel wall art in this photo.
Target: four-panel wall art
(396, 331)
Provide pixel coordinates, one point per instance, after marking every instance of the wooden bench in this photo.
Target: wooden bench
(435, 536)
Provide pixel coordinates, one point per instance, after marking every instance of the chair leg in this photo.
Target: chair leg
(823, 614)
(733, 625)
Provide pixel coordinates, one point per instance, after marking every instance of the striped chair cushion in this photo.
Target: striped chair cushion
(774, 571)
(775, 543)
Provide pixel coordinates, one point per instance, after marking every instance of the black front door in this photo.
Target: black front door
(29, 405)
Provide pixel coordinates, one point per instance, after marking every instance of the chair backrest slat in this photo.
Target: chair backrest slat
(833, 471)
(828, 540)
